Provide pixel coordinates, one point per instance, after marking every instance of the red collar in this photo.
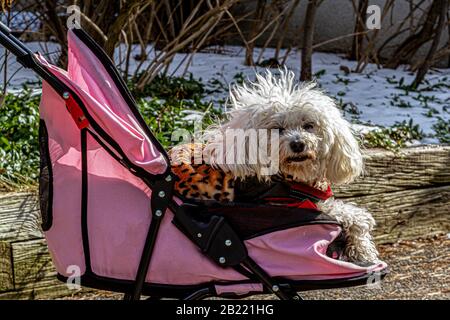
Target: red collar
(280, 192)
(311, 191)
(301, 196)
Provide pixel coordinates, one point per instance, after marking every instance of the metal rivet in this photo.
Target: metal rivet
(66, 95)
(222, 260)
(169, 178)
(275, 288)
(158, 213)
(228, 243)
(199, 235)
(161, 194)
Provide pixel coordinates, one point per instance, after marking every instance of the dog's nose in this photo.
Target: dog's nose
(297, 146)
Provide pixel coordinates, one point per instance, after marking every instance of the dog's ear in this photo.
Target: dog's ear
(345, 160)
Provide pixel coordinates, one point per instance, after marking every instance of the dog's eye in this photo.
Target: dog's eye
(308, 127)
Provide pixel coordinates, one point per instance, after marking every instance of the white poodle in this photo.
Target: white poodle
(315, 147)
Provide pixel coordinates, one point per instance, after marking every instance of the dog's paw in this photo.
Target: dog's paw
(357, 223)
(361, 250)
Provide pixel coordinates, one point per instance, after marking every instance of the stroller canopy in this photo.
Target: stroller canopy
(106, 102)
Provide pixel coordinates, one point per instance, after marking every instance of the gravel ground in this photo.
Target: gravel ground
(419, 269)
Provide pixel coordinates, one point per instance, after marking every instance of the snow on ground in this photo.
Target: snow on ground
(373, 97)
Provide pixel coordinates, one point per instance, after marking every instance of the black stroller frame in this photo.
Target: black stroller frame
(214, 236)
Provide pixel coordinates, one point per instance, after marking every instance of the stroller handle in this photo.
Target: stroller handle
(15, 46)
(26, 57)
(4, 28)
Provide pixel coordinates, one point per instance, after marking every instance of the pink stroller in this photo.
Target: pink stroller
(108, 206)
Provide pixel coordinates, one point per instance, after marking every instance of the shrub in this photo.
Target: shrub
(19, 128)
(393, 138)
(442, 129)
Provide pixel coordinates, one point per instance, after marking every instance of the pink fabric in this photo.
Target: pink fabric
(88, 78)
(64, 237)
(300, 254)
(118, 202)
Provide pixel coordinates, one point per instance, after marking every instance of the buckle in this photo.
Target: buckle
(75, 111)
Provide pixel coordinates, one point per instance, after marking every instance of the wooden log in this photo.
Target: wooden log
(34, 274)
(411, 168)
(19, 216)
(45, 289)
(408, 214)
(32, 262)
(6, 270)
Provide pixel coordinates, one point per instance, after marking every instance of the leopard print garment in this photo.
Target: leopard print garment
(202, 182)
(199, 181)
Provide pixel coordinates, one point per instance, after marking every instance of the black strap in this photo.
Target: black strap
(255, 191)
(84, 199)
(162, 191)
(212, 234)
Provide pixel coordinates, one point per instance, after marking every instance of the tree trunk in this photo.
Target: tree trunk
(423, 69)
(358, 38)
(103, 14)
(308, 38)
(121, 21)
(56, 24)
(448, 41)
(284, 28)
(254, 29)
(411, 45)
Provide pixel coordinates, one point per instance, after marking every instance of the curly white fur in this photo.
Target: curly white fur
(357, 224)
(326, 153)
